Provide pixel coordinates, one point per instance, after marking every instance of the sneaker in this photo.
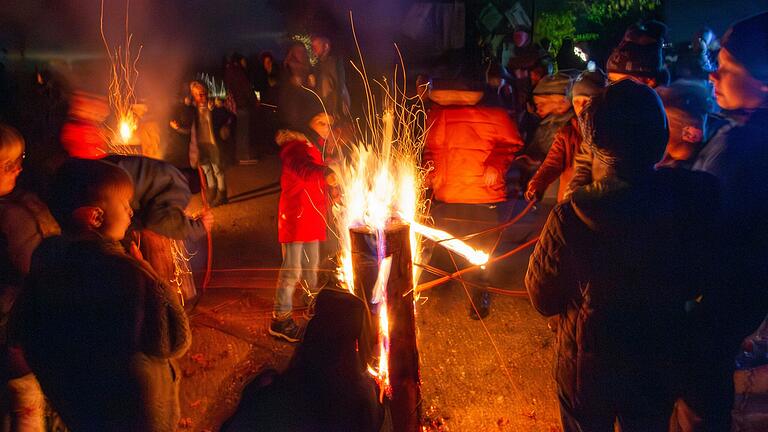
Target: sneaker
(221, 199)
(285, 329)
(482, 303)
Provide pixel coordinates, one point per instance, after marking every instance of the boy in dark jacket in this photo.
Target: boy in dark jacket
(620, 263)
(98, 326)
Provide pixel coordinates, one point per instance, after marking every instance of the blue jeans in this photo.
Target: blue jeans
(300, 260)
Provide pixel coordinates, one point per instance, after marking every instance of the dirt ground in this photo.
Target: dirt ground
(494, 375)
(476, 376)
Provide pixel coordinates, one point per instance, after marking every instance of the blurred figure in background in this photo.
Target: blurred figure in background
(331, 77)
(568, 140)
(24, 223)
(469, 148)
(207, 126)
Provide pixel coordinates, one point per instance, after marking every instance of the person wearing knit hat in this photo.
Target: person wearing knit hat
(617, 263)
(687, 104)
(551, 98)
(639, 57)
(567, 146)
(738, 156)
(587, 85)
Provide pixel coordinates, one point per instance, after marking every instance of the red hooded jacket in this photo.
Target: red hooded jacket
(464, 140)
(303, 201)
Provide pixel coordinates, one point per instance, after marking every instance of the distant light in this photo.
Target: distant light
(591, 66)
(580, 54)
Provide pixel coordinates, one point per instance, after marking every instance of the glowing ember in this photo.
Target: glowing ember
(127, 127)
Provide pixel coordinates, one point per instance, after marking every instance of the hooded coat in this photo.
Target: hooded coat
(559, 160)
(620, 263)
(303, 200)
(465, 139)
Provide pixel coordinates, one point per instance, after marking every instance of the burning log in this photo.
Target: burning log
(400, 370)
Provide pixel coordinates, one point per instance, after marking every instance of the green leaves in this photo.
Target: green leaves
(559, 25)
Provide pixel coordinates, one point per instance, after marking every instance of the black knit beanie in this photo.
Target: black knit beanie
(747, 42)
(635, 59)
(626, 126)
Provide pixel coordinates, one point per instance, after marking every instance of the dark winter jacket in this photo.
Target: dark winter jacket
(465, 139)
(303, 200)
(24, 223)
(221, 118)
(332, 84)
(620, 263)
(559, 160)
(161, 193)
(738, 156)
(99, 331)
(239, 86)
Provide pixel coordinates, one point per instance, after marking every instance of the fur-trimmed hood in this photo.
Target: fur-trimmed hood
(284, 136)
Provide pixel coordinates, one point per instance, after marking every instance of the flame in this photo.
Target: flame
(474, 256)
(382, 181)
(127, 127)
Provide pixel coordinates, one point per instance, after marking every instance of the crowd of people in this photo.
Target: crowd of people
(652, 261)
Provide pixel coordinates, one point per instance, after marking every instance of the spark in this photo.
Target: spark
(123, 74)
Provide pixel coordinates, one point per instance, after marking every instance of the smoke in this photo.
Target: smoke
(176, 36)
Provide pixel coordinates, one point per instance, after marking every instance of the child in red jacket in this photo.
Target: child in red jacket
(303, 203)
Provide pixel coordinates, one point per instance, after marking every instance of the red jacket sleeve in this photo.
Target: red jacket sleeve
(298, 159)
(506, 140)
(554, 165)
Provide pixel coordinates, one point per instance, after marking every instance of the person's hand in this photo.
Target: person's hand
(206, 217)
(532, 194)
(491, 176)
(174, 125)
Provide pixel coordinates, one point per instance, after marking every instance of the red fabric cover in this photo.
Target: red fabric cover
(83, 140)
(463, 141)
(302, 210)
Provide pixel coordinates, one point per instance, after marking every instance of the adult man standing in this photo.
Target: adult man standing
(331, 78)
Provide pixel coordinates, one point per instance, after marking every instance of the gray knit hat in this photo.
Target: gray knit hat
(589, 83)
(557, 84)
